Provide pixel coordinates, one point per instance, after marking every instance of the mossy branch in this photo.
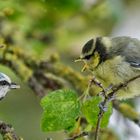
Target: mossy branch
(50, 74)
(7, 132)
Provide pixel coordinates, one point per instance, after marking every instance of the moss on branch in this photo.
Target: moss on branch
(7, 132)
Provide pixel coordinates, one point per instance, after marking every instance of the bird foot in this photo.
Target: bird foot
(111, 98)
(103, 107)
(104, 91)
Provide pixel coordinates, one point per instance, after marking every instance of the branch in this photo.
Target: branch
(7, 132)
(107, 98)
(42, 76)
(122, 85)
(100, 116)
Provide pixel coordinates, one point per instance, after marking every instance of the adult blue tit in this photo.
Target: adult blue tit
(114, 61)
(6, 85)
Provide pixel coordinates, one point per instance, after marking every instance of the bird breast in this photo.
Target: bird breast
(116, 71)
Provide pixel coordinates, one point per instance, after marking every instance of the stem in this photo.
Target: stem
(99, 84)
(100, 115)
(98, 125)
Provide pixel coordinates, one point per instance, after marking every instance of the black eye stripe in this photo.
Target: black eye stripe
(87, 57)
(4, 83)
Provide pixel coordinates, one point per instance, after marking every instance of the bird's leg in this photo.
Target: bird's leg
(112, 97)
(99, 84)
(107, 99)
(106, 89)
(103, 106)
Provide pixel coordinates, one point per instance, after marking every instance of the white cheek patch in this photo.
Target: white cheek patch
(3, 91)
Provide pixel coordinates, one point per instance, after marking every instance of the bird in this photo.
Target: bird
(114, 60)
(6, 85)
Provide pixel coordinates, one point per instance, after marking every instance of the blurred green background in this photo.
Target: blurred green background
(44, 27)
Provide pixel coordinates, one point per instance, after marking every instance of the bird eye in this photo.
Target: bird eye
(4, 82)
(87, 57)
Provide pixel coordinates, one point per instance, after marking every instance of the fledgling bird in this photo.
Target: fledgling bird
(114, 61)
(6, 85)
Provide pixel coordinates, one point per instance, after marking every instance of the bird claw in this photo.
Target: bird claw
(109, 87)
(103, 107)
(111, 98)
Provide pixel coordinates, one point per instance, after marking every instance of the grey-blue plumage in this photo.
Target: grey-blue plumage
(6, 85)
(127, 47)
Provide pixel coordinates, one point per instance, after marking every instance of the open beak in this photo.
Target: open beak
(14, 86)
(78, 60)
(85, 65)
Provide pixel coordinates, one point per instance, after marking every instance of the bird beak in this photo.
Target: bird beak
(85, 65)
(14, 86)
(78, 60)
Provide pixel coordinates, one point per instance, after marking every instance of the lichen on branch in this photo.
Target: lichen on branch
(7, 132)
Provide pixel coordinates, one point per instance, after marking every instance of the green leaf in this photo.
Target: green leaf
(91, 110)
(61, 109)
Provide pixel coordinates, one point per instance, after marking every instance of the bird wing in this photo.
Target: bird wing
(129, 48)
(134, 64)
(132, 53)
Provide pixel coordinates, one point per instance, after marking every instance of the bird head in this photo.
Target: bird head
(6, 85)
(94, 52)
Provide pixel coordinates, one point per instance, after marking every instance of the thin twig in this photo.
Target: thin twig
(99, 84)
(100, 115)
(78, 136)
(98, 125)
(122, 85)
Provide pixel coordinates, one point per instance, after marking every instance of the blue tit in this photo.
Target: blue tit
(6, 85)
(114, 61)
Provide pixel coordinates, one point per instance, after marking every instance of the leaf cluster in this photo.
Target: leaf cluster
(62, 108)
